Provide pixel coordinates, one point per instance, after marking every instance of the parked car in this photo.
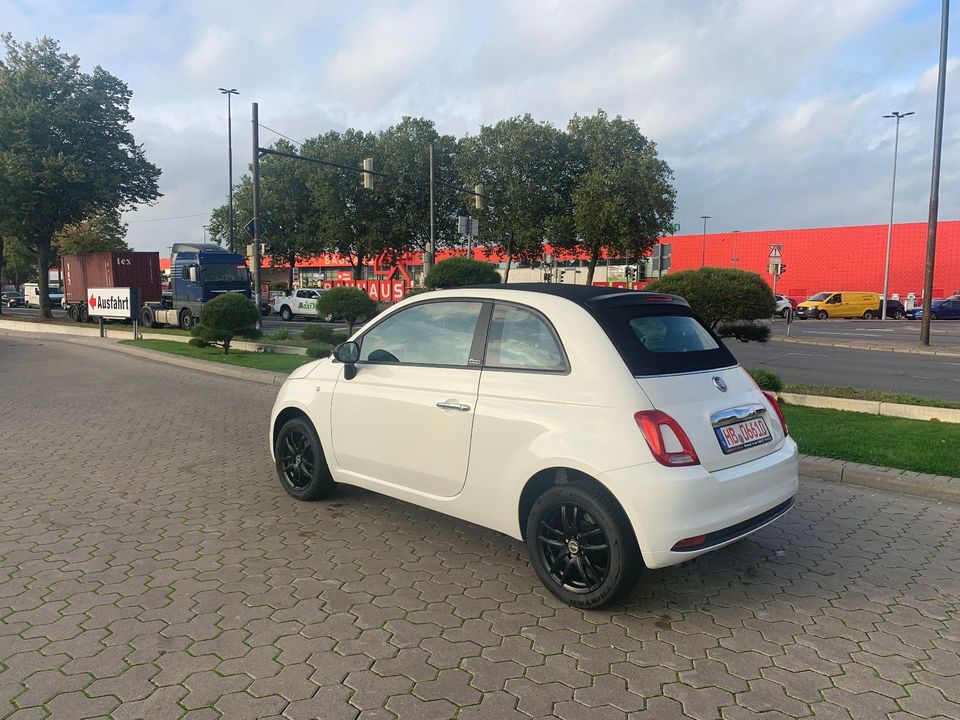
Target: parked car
(840, 305)
(12, 299)
(895, 310)
(608, 429)
(946, 309)
(784, 305)
(302, 302)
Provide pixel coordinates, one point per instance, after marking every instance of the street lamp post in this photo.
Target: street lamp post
(734, 260)
(228, 93)
(893, 192)
(703, 249)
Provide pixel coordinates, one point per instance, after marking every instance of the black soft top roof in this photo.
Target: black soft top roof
(589, 296)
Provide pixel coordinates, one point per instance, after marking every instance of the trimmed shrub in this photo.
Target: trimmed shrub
(323, 334)
(225, 317)
(281, 334)
(460, 271)
(744, 331)
(198, 342)
(319, 350)
(350, 304)
(767, 380)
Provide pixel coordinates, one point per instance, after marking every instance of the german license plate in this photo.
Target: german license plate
(743, 435)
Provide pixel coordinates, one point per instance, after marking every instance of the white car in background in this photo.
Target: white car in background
(300, 303)
(608, 429)
(785, 305)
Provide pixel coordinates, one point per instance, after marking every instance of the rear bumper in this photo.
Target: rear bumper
(667, 505)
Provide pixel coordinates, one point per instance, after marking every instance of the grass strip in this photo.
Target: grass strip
(274, 362)
(874, 395)
(925, 446)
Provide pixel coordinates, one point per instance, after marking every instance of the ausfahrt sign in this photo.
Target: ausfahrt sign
(116, 303)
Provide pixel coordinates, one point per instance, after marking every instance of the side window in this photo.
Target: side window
(520, 339)
(835, 299)
(432, 333)
(302, 294)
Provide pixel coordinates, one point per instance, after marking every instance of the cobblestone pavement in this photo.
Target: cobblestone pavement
(151, 567)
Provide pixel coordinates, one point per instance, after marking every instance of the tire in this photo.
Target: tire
(286, 314)
(558, 522)
(187, 320)
(84, 314)
(868, 315)
(784, 313)
(73, 313)
(147, 318)
(898, 314)
(933, 316)
(822, 315)
(301, 466)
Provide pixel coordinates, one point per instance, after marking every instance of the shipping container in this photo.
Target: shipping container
(112, 269)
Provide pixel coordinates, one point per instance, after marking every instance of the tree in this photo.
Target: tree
(525, 169)
(225, 317)
(460, 271)
(623, 199)
(101, 233)
(350, 304)
(66, 153)
(728, 300)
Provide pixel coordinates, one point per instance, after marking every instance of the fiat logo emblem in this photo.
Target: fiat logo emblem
(721, 385)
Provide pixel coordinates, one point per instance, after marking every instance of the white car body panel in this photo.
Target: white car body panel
(396, 442)
(299, 306)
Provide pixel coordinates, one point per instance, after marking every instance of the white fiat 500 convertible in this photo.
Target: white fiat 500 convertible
(610, 430)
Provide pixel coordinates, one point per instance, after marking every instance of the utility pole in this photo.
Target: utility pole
(935, 179)
(256, 208)
(428, 256)
(703, 248)
(893, 193)
(228, 93)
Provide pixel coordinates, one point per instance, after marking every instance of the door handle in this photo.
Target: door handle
(453, 405)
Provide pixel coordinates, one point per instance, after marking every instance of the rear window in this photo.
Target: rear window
(662, 339)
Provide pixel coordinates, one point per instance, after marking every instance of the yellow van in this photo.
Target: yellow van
(844, 304)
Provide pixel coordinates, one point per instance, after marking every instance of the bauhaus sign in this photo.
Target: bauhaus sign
(118, 303)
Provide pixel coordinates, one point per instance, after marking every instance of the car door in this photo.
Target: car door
(406, 417)
(950, 309)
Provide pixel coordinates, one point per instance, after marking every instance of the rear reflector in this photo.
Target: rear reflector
(651, 424)
(690, 542)
(776, 406)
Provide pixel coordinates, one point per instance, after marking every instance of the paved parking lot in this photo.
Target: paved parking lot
(151, 567)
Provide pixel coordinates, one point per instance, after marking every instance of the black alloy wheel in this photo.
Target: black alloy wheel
(581, 544)
(574, 548)
(300, 462)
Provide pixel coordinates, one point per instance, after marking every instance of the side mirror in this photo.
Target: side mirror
(348, 353)
(193, 273)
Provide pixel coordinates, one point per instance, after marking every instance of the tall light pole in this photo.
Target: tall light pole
(703, 249)
(228, 93)
(893, 193)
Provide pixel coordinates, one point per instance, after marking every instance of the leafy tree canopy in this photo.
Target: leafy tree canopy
(729, 300)
(66, 153)
(101, 233)
(225, 317)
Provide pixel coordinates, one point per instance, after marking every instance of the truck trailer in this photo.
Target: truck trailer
(108, 270)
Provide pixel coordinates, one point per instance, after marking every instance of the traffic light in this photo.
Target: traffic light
(478, 196)
(560, 278)
(368, 173)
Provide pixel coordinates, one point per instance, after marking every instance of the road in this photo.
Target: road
(153, 568)
(924, 375)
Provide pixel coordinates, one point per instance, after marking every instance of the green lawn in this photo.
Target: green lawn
(261, 361)
(920, 445)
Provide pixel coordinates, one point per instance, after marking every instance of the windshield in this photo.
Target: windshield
(820, 297)
(224, 272)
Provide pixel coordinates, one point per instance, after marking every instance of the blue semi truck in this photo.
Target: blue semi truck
(198, 273)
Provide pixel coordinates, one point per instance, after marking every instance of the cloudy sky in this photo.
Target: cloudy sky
(768, 111)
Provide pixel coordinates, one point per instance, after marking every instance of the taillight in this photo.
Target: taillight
(776, 406)
(652, 424)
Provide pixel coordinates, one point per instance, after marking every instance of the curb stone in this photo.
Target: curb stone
(868, 346)
(936, 487)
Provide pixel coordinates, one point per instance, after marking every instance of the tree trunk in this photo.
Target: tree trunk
(1, 269)
(43, 263)
(292, 260)
(594, 259)
(226, 347)
(506, 274)
(358, 267)
(349, 326)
